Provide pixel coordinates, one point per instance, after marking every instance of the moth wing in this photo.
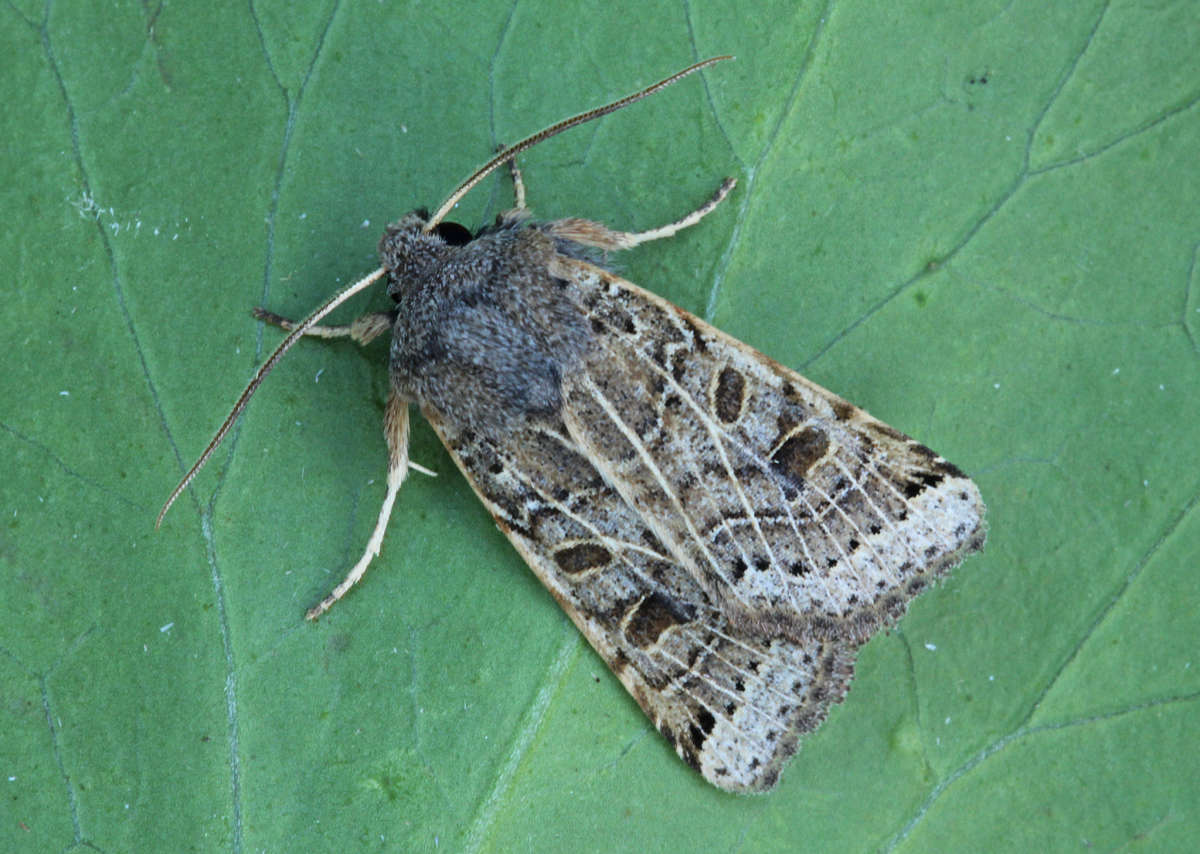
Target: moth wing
(732, 703)
(796, 511)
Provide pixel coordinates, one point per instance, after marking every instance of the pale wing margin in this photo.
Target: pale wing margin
(797, 512)
(732, 704)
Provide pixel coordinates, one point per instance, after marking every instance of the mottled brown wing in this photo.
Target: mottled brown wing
(723, 532)
(733, 704)
(797, 512)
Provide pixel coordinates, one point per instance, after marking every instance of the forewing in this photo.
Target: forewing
(796, 511)
(724, 532)
(732, 702)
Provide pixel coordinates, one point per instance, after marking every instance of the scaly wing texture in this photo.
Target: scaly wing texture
(723, 532)
(732, 704)
(794, 509)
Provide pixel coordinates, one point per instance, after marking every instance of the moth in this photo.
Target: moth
(724, 532)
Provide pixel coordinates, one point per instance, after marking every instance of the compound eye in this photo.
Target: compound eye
(453, 233)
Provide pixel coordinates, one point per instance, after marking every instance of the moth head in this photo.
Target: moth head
(409, 248)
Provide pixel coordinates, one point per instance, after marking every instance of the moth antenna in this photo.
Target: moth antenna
(555, 129)
(251, 387)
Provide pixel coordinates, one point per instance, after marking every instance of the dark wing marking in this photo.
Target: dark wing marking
(731, 703)
(797, 512)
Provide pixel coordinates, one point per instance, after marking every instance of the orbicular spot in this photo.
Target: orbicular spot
(582, 557)
(653, 616)
(729, 395)
(799, 452)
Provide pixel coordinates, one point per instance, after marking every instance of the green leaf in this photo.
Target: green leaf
(978, 221)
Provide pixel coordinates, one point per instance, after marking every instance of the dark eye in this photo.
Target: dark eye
(453, 233)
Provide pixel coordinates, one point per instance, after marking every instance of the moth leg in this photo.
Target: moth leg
(395, 431)
(518, 183)
(596, 234)
(363, 330)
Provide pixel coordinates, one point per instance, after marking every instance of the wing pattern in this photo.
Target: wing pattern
(724, 532)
